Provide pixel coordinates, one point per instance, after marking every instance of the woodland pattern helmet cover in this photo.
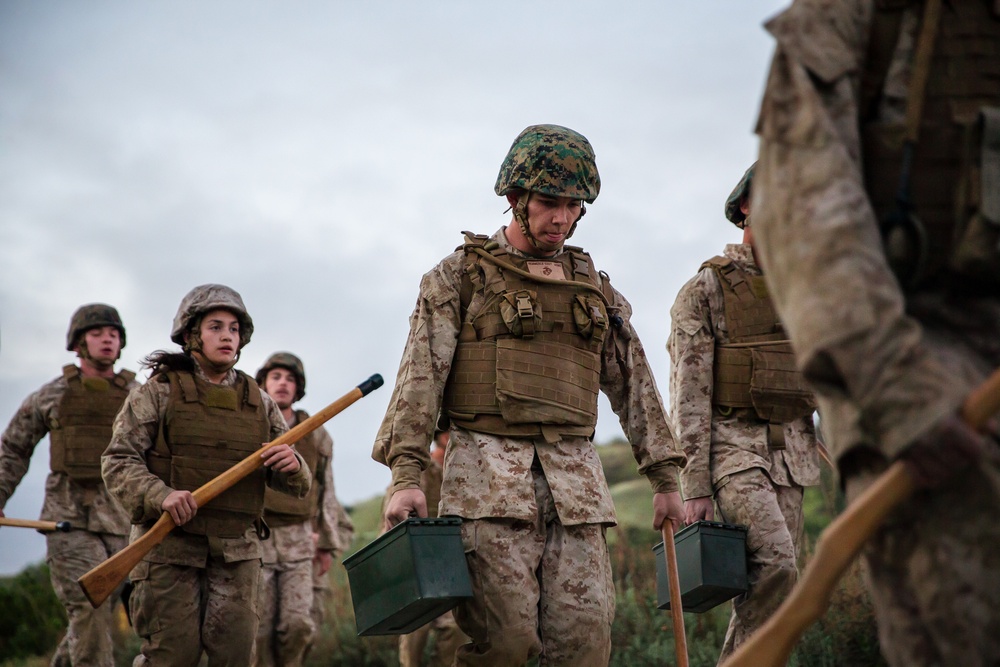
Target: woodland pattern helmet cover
(552, 160)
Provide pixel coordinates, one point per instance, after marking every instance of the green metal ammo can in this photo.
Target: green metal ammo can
(711, 566)
(409, 576)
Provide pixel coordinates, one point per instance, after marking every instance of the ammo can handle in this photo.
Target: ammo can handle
(840, 543)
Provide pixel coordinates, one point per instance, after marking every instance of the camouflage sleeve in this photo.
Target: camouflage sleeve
(627, 380)
(819, 239)
(294, 484)
(328, 509)
(692, 355)
(408, 427)
(123, 464)
(24, 432)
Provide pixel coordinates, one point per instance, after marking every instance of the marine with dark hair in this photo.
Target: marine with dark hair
(76, 411)
(198, 590)
(743, 416)
(306, 533)
(512, 337)
(878, 217)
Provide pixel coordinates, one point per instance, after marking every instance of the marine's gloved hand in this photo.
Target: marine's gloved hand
(403, 504)
(949, 447)
(668, 506)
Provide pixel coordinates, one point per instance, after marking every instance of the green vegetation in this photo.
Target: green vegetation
(31, 618)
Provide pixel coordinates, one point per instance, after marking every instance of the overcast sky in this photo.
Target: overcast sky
(319, 157)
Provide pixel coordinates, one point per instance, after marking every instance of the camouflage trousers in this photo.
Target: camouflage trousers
(447, 639)
(321, 597)
(539, 589)
(286, 628)
(773, 517)
(181, 611)
(70, 555)
(934, 572)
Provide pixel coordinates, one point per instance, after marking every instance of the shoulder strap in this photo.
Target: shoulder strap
(476, 277)
(185, 382)
(124, 378)
(252, 392)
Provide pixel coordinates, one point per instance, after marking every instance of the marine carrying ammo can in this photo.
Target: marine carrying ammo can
(711, 566)
(409, 576)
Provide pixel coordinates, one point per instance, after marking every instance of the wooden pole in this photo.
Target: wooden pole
(676, 606)
(43, 526)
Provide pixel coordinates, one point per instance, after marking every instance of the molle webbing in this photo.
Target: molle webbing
(86, 413)
(206, 430)
(281, 509)
(750, 316)
(528, 363)
(964, 78)
(754, 369)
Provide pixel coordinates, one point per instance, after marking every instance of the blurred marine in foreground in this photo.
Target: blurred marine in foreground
(877, 211)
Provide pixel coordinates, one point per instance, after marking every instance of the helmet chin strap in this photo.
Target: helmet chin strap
(194, 346)
(521, 215)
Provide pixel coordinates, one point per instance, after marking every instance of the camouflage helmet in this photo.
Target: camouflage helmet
(289, 362)
(742, 189)
(204, 298)
(552, 160)
(91, 316)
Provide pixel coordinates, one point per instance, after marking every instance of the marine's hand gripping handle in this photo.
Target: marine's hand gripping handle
(840, 543)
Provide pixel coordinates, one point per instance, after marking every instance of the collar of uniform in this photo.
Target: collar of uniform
(228, 381)
(742, 255)
(500, 236)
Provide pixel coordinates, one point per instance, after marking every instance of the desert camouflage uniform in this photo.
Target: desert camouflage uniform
(193, 593)
(287, 627)
(527, 503)
(728, 456)
(99, 521)
(886, 366)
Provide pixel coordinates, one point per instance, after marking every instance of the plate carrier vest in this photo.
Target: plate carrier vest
(281, 509)
(755, 368)
(206, 430)
(528, 363)
(83, 430)
(955, 177)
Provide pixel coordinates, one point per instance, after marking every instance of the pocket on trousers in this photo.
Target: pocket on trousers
(141, 603)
